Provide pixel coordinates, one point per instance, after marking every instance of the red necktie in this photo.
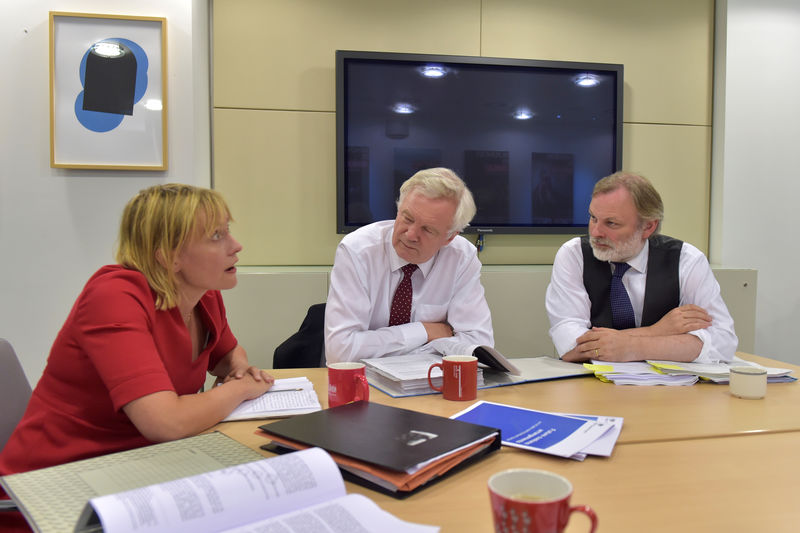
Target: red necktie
(401, 303)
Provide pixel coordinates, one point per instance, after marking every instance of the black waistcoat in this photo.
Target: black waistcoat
(662, 288)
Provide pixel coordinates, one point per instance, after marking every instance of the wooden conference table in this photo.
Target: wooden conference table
(688, 458)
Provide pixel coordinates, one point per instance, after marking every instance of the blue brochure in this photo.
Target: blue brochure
(556, 434)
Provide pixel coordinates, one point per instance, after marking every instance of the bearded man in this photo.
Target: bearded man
(626, 293)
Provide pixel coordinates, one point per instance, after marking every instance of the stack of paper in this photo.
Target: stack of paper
(406, 375)
(719, 372)
(287, 397)
(566, 435)
(637, 373)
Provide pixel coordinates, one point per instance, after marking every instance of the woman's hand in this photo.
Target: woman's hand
(252, 384)
(255, 372)
(234, 365)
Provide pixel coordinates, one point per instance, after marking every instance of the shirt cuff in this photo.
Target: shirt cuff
(565, 338)
(707, 355)
(414, 335)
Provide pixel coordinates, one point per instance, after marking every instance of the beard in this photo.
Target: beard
(619, 252)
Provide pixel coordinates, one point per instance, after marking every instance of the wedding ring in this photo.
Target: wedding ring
(596, 352)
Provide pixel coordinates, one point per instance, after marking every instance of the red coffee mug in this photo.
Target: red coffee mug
(459, 377)
(347, 383)
(533, 501)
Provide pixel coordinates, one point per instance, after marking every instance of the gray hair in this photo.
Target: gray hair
(648, 202)
(442, 183)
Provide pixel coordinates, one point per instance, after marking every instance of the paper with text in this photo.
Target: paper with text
(348, 514)
(275, 494)
(230, 497)
(281, 400)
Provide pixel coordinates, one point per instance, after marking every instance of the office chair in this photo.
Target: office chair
(15, 391)
(306, 348)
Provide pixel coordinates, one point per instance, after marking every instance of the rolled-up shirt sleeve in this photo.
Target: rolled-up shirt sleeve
(700, 287)
(566, 301)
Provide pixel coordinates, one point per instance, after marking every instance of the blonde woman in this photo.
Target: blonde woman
(126, 367)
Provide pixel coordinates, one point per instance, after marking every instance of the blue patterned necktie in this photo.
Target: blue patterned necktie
(621, 308)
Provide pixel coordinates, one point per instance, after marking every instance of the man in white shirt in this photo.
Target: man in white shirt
(677, 311)
(447, 308)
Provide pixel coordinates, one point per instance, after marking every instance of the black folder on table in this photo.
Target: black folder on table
(387, 437)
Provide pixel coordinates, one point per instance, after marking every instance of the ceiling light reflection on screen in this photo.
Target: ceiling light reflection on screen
(433, 71)
(523, 114)
(586, 80)
(403, 108)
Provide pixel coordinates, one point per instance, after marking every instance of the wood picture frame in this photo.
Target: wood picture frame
(108, 91)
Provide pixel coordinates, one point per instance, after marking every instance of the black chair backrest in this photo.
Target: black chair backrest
(305, 348)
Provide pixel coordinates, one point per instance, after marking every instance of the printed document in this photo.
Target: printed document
(286, 397)
(275, 494)
(552, 433)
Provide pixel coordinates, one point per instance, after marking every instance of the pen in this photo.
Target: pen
(282, 390)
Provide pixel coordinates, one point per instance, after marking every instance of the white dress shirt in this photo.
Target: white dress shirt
(569, 308)
(366, 272)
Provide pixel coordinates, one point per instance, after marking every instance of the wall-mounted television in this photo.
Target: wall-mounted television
(529, 137)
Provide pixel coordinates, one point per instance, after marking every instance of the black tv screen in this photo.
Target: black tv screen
(529, 137)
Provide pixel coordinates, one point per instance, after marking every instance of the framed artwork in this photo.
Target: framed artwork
(108, 92)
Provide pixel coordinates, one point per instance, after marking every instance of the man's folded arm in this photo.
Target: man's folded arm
(566, 301)
(700, 287)
(347, 317)
(349, 343)
(468, 312)
(608, 344)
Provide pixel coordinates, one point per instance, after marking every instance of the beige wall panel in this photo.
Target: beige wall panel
(739, 288)
(516, 298)
(279, 54)
(666, 47)
(520, 249)
(677, 160)
(277, 171)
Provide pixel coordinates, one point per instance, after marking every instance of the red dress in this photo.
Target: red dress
(114, 347)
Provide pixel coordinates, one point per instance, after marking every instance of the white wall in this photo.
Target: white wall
(58, 226)
(756, 176)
